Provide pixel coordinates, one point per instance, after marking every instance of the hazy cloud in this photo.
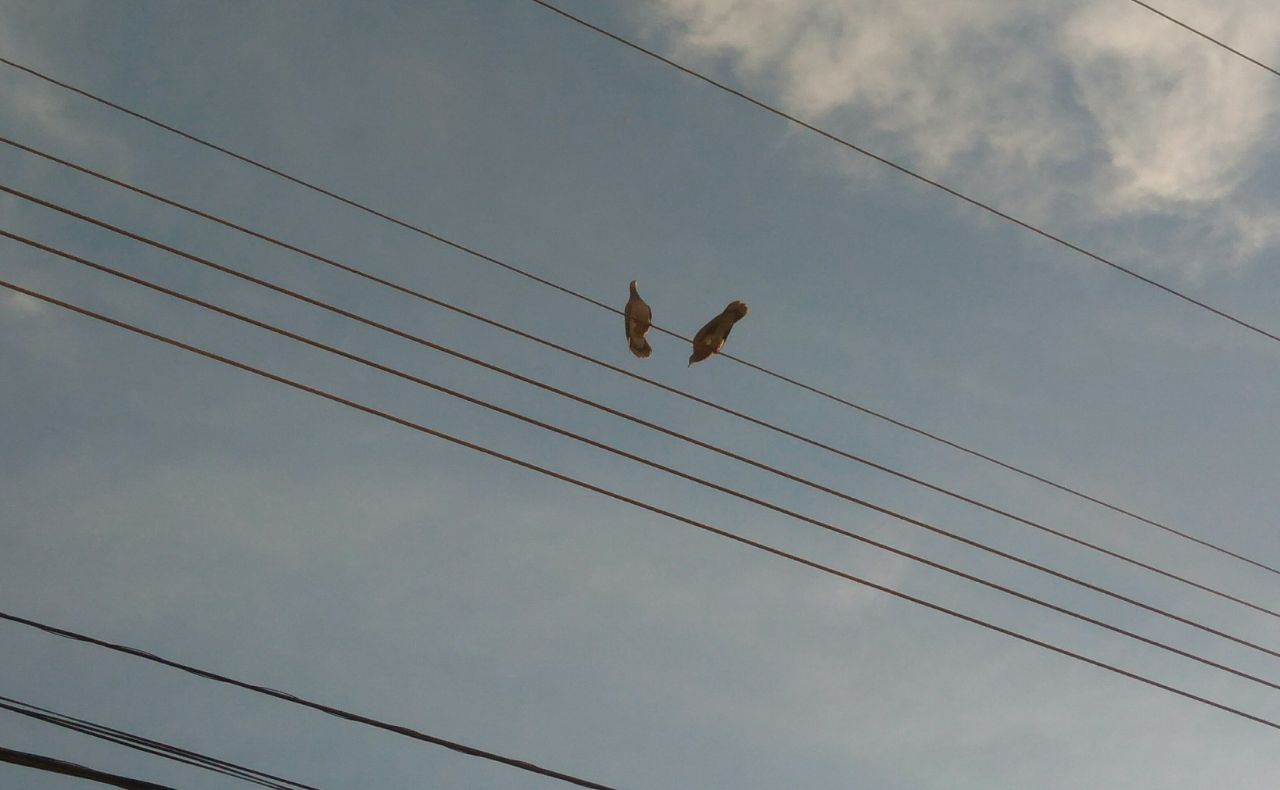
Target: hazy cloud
(1179, 122)
(23, 304)
(1095, 111)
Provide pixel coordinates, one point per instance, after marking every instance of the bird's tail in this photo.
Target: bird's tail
(640, 347)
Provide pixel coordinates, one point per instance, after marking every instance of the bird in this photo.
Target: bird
(638, 318)
(710, 338)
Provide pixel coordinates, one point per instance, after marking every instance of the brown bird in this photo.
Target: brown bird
(710, 338)
(638, 318)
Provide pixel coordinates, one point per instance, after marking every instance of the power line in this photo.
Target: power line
(1206, 37)
(722, 489)
(653, 426)
(544, 281)
(398, 729)
(111, 738)
(715, 486)
(704, 482)
(703, 401)
(56, 766)
(908, 171)
(579, 483)
(150, 746)
(682, 393)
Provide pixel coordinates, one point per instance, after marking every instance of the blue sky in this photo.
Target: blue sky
(160, 500)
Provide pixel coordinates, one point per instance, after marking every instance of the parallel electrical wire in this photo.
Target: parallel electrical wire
(398, 729)
(695, 479)
(703, 401)
(579, 483)
(759, 368)
(55, 766)
(653, 426)
(706, 483)
(1206, 36)
(150, 746)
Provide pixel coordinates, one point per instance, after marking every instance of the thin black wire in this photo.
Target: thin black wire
(576, 354)
(85, 730)
(1206, 36)
(572, 481)
(702, 481)
(759, 368)
(150, 746)
(615, 412)
(270, 692)
(695, 479)
(56, 766)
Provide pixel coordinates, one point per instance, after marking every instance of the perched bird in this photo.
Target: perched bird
(638, 318)
(710, 338)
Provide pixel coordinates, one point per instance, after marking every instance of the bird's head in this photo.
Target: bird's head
(633, 288)
(737, 309)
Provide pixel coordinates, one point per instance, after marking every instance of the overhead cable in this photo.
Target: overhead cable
(703, 401)
(709, 484)
(666, 469)
(55, 766)
(1073, 491)
(150, 746)
(579, 483)
(398, 729)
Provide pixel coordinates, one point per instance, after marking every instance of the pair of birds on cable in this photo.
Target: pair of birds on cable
(709, 340)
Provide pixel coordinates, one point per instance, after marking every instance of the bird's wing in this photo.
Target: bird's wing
(706, 331)
(729, 320)
(626, 317)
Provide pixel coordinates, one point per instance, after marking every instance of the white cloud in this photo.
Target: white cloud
(891, 61)
(1085, 114)
(1179, 118)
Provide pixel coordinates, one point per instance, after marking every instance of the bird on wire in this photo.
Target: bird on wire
(638, 318)
(710, 338)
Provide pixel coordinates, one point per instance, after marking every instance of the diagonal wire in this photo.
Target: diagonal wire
(758, 368)
(149, 745)
(582, 484)
(55, 766)
(121, 741)
(678, 473)
(615, 412)
(398, 729)
(595, 361)
(1206, 37)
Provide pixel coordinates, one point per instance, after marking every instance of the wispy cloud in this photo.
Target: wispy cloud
(1179, 119)
(1085, 114)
